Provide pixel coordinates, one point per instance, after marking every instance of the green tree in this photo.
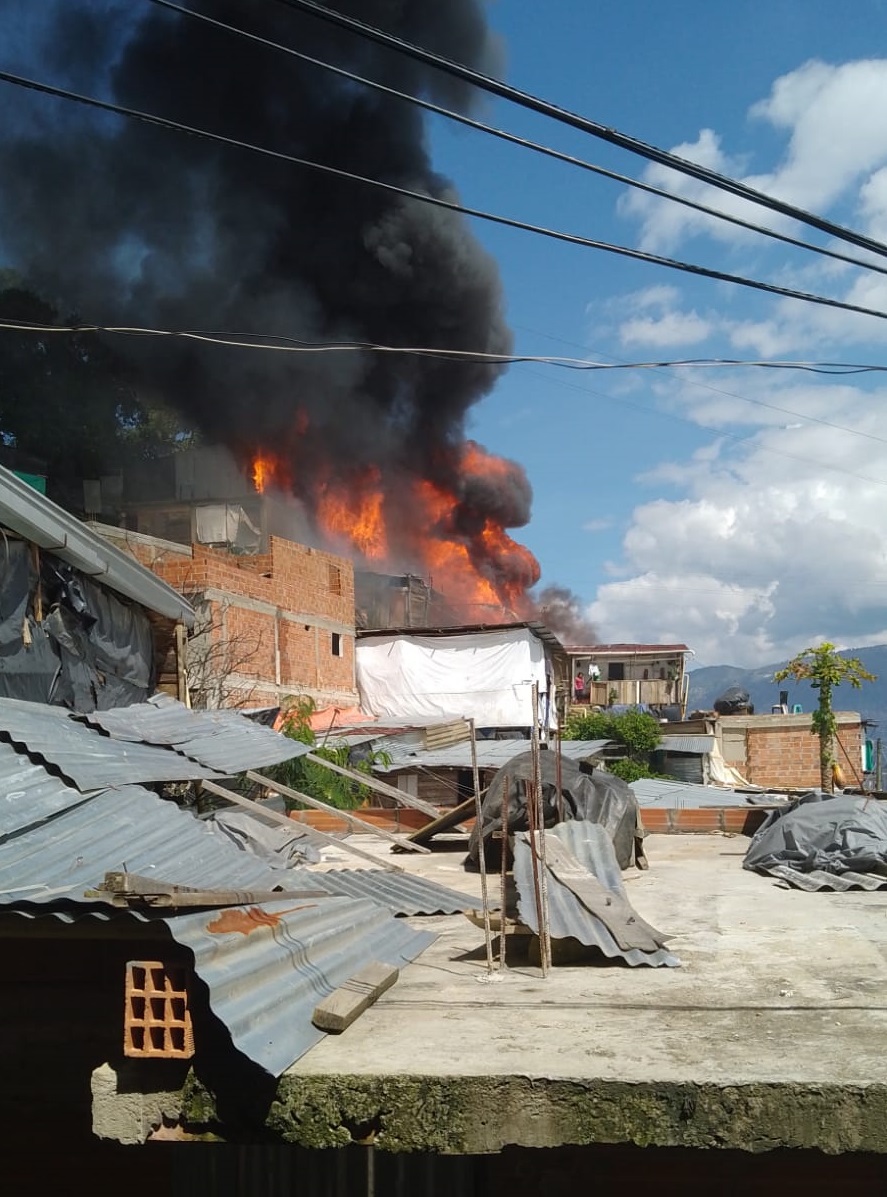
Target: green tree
(636, 731)
(313, 779)
(824, 668)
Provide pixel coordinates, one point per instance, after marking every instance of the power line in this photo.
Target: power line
(438, 202)
(817, 368)
(271, 342)
(612, 136)
(522, 142)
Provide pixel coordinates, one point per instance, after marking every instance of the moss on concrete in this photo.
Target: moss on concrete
(198, 1107)
(482, 1114)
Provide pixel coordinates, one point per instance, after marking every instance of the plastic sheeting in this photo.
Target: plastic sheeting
(824, 842)
(598, 797)
(92, 649)
(486, 676)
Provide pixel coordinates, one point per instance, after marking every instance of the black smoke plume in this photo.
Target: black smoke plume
(130, 224)
(561, 610)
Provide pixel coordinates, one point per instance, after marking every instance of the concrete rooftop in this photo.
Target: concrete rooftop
(772, 1034)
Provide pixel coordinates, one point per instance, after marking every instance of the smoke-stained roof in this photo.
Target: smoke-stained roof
(37, 519)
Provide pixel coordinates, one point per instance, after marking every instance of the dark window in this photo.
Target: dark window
(616, 671)
(336, 644)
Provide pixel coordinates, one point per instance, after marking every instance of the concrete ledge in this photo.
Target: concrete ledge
(485, 1114)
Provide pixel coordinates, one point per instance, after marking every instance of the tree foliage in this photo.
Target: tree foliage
(636, 731)
(313, 779)
(70, 400)
(824, 668)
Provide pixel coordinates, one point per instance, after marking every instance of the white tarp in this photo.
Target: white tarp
(486, 676)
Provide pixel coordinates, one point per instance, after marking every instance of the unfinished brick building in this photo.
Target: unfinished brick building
(781, 751)
(271, 625)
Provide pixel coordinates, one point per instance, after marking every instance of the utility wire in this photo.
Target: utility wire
(817, 368)
(523, 142)
(438, 202)
(613, 136)
(271, 342)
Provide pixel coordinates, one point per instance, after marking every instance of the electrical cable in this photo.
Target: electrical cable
(273, 343)
(438, 202)
(523, 142)
(612, 136)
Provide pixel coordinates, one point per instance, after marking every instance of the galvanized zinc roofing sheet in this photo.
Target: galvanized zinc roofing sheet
(44, 523)
(657, 792)
(491, 754)
(401, 893)
(86, 757)
(221, 740)
(568, 917)
(267, 973)
(28, 794)
(698, 745)
(132, 830)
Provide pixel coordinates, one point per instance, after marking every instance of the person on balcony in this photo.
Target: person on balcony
(579, 687)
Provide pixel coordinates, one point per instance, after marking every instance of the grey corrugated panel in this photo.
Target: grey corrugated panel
(491, 754)
(28, 794)
(656, 792)
(818, 881)
(695, 744)
(128, 829)
(264, 985)
(86, 757)
(221, 740)
(44, 523)
(401, 893)
(568, 918)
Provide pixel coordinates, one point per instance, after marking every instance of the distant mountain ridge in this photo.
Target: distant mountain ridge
(709, 682)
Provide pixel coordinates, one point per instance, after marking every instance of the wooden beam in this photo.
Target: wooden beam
(257, 808)
(349, 1001)
(450, 818)
(381, 787)
(348, 816)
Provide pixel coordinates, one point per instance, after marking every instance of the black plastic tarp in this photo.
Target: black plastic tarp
(824, 842)
(598, 796)
(89, 649)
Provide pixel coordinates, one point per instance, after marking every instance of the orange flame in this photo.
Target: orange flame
(263, 471)
(355, 517)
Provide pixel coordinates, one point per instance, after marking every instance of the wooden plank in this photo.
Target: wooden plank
(256, 807)
(347, 815)
(451, 818)
(373, 783)
(130, 889)
(349, 1001)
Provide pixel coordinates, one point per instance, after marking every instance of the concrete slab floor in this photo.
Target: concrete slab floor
(775, 985)
(781, 1000)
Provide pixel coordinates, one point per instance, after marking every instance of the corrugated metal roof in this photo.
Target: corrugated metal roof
(39, 520)
(698, 745)
(491, 754)
(222, 740)
(818, 881)
(676, 795)
(568, 917)
(400, 892)
(131, 830)
(265, 974)
(624, 650)
(86, 757)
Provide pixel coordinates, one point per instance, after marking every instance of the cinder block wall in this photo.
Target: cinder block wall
(789, 756)
(286, 616)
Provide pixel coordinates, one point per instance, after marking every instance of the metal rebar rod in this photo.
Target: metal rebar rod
(504, 865)
(544, 928)
(482, 860)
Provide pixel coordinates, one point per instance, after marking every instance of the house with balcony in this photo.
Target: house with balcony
(630, 674)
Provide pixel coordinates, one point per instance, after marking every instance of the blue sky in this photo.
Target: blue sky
(675, 503)
(739, 511)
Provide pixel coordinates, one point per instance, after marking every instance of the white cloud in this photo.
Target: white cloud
(774, 542)
(672, 328)
(832, 117)
(598, 525)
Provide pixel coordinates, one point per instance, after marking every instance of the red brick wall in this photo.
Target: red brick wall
(789, 757)
(307, 593)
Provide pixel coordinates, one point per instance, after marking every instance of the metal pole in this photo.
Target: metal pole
(503, 888)
(482, 860)
(544, 930)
